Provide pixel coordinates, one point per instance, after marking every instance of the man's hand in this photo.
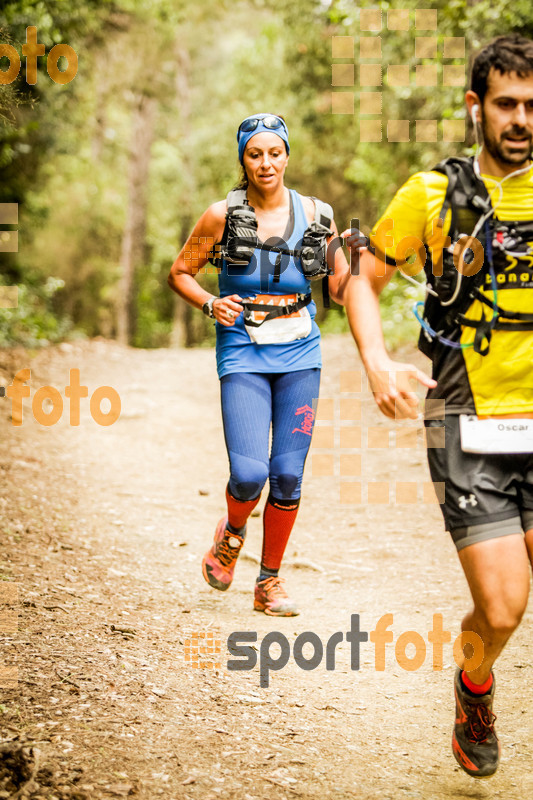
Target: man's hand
(393, 386)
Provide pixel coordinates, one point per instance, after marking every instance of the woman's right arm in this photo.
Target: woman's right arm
(193, 257)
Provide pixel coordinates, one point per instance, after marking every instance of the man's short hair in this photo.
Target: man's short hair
(513, 53)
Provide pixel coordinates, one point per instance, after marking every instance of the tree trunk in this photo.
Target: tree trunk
(135, 226)
(181, 329)
(99, 123)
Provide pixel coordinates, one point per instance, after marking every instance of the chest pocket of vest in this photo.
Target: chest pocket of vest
(242, 238)
(313, 251)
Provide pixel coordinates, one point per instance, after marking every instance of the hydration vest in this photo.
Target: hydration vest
(453, 293)
(240, 239)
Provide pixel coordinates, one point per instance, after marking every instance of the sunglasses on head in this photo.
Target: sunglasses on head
(271, 122)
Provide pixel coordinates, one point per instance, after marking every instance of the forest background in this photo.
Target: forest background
(111, 170)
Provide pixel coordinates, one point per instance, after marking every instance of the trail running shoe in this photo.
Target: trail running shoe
(474, 743)
(218, 564)
(271, 597)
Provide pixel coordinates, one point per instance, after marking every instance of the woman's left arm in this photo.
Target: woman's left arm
(338, 263)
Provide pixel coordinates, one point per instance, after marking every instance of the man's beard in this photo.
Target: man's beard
(500, 150)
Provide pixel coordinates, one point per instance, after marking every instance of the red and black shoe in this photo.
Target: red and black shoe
(474, 742)
(271, 597)
(218, 564)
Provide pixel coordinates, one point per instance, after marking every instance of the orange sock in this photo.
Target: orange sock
(239, 510)
(278, 521)
(477, 688)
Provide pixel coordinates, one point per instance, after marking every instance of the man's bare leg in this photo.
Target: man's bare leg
(498, 574)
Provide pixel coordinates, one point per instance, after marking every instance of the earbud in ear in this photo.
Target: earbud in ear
(473, 113)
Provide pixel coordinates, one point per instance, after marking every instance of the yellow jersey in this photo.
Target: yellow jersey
(500, 382)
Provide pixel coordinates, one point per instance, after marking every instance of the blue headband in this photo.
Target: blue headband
(243, 137)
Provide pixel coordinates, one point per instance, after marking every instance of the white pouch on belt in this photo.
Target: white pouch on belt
(277, 318)
(496, 435)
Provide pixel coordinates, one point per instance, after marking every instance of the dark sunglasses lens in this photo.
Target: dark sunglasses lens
(249, 125)
(272, 122)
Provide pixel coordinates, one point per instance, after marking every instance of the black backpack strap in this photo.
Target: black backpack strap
(465, 189)
(324, 217)
(325, 292)
(521, 316)
(446, 168)
(277, 268)
(215, 255)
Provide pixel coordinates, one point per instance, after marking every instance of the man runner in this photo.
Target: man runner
(478, 331)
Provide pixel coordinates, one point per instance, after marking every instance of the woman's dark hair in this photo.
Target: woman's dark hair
(242, 181)
(513, 53)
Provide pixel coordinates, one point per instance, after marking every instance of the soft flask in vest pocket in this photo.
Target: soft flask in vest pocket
(242, 236)
(313, 251)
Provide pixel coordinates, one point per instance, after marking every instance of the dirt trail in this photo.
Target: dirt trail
(103, 530)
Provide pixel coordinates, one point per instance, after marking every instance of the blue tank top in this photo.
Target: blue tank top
(235, 350)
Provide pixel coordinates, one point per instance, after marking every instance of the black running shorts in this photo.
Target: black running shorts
(485, 496)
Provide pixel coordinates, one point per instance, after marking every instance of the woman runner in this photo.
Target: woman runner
(269, 370)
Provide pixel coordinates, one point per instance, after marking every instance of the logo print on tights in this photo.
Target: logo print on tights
(307, 421)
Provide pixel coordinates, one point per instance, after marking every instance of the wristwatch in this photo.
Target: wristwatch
(207, 308)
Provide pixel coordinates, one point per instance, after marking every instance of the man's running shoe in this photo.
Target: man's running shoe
(474, 743)
(271, 597)
(218, 564)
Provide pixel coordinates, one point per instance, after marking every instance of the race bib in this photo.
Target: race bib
(278, 330)
(496, 435)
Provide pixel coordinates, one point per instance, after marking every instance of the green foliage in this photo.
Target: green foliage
(33, 322)
(397, 301)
